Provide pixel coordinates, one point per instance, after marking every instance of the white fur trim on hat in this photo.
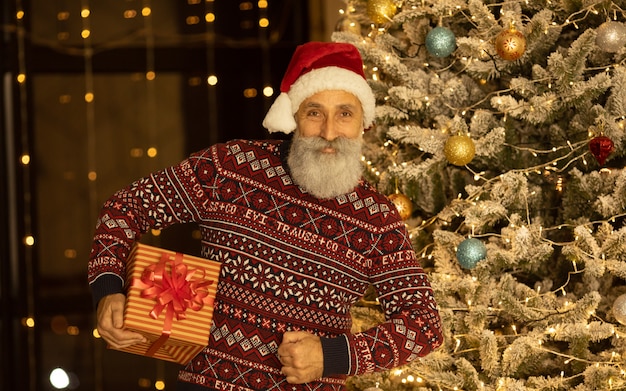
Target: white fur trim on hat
(280, 117)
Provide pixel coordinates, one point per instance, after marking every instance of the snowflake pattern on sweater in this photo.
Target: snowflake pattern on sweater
(290, 262)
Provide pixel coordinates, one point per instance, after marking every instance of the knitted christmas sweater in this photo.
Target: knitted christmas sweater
(290, 261)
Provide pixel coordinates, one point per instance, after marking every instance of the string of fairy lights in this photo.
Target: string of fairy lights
(575, 150)
(201, 12)
(383, 10)
(388, 8)
(28, 239)
(378, 16)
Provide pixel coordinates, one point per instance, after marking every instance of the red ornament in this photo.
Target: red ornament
(601, 147)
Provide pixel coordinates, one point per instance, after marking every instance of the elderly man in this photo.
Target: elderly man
(300, 235)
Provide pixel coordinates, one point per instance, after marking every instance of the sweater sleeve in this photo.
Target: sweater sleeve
(336, 355)
(105, 284)
(413, 327)
(156, 201)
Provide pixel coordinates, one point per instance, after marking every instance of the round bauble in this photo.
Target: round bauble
(619, 309)
(601, 147)
(510, 44)
(440, 42)
(611, 36)
(459, 150)
(403, 205)
(470, 252)
(381, 11)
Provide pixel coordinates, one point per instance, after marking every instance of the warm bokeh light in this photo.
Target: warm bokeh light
(250, 92)
(29, 240)
(28, 322)
(59, 378)
(268, 91)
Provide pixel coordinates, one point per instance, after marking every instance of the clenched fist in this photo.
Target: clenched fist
(302, 357)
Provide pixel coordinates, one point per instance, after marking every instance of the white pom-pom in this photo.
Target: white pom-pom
(279, 118)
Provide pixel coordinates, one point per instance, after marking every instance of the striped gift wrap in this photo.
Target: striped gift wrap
(169, 300)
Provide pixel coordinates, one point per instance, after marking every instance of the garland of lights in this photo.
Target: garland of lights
(510, 46)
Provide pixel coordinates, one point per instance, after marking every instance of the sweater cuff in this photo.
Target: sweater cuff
(104, 285)
(336, 356)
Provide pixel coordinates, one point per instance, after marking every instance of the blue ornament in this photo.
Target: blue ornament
(440, 42)
(470, 252)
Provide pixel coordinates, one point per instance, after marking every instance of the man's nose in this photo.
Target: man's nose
(329, 129)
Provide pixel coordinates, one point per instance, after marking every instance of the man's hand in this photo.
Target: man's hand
(302, 357)
(111, 322)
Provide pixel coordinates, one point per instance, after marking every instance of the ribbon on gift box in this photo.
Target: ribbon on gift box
(171, 284)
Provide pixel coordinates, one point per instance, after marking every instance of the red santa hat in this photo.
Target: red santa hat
(315, 67)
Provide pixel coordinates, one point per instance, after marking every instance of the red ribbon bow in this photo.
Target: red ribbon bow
(170, 283)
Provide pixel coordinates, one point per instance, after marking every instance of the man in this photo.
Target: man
(300, 236)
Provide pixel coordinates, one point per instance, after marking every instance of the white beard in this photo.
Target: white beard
(325, 175)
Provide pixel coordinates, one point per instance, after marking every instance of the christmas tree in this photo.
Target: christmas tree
(500, 137)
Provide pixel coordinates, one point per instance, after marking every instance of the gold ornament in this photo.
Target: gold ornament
(459, 150)
(510, 44)
(403, 205)
(381, 11)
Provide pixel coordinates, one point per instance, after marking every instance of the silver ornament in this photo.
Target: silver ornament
(611, 36)
(470, 252)
(619, 309)
(440, 42)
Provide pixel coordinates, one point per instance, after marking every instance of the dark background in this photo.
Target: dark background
(62, 155)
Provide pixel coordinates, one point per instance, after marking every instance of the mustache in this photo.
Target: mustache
(339, 144)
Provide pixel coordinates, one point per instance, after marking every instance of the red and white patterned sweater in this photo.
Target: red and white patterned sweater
(290, 262)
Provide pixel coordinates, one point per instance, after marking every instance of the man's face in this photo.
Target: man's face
(325, 154)
(330, 114)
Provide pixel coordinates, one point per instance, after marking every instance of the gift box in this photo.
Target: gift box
(169, 300)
